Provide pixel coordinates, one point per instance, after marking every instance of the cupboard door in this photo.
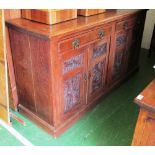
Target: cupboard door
(98, 60)
(117, 69)
(133, 48)
(118, 56)
(74, 80)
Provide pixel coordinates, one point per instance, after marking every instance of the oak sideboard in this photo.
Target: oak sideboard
(63, 70)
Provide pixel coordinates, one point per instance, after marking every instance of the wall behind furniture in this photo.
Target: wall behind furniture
(148, 29)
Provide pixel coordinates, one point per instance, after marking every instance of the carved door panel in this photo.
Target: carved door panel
(132, 52)
(74, 82)
(118, 56)
(98, 60)
(117, 69)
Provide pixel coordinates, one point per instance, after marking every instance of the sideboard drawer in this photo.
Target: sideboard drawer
(126, 24)
(81, 40)
(101, 32)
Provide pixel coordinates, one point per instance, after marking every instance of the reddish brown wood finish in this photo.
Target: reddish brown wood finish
(49, 16)
(97, 71)
(144, 134)
(127, 42)
(144, 131)
(148, 99)
(13, 97)
(89, 12)
(73, 26)
(63, 70)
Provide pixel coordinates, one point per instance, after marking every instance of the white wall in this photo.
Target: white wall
(148, 29)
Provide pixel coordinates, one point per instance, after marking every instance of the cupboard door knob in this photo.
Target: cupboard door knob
(85, 76)
(101, 34)
(125, 25)
(76, 43)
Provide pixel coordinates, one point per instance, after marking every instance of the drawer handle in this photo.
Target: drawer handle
(101, 34)
(125, 25)
(76, 43)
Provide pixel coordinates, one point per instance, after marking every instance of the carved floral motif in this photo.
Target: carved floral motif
(73, 63)
(72, 92)
(120, 40)
(117, 64)
(97, 75)
(99, 50)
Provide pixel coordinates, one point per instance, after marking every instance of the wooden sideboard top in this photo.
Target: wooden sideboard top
(146, 99)
(71, 26)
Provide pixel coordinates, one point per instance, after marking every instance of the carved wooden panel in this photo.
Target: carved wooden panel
(132, 56)
(72, 63)
(117, 64)
(99, 50)
(72, 92)
(97, 75)
(120, 40)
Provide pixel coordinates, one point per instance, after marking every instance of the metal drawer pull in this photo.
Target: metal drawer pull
(76, 43)
(125, 25)
(101, 34)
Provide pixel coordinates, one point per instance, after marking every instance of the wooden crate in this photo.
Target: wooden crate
(89, 12)
(49, 16)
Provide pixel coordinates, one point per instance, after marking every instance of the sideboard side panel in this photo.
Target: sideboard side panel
(41, 66)
(23, 68)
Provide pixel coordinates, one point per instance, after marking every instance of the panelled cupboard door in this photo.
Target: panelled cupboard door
(97, 72)
(132, 52)
(74, 80)
(119, 53)
(4, 100)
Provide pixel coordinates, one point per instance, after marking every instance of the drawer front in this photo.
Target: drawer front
(81, 40)
(128, 23)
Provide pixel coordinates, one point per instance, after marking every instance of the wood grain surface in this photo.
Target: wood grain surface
(49, 16)
(4, 102)
(147, 100)
(64, 69)
(13, 96)
(90, 12)
(71, 26)
(144, 134)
